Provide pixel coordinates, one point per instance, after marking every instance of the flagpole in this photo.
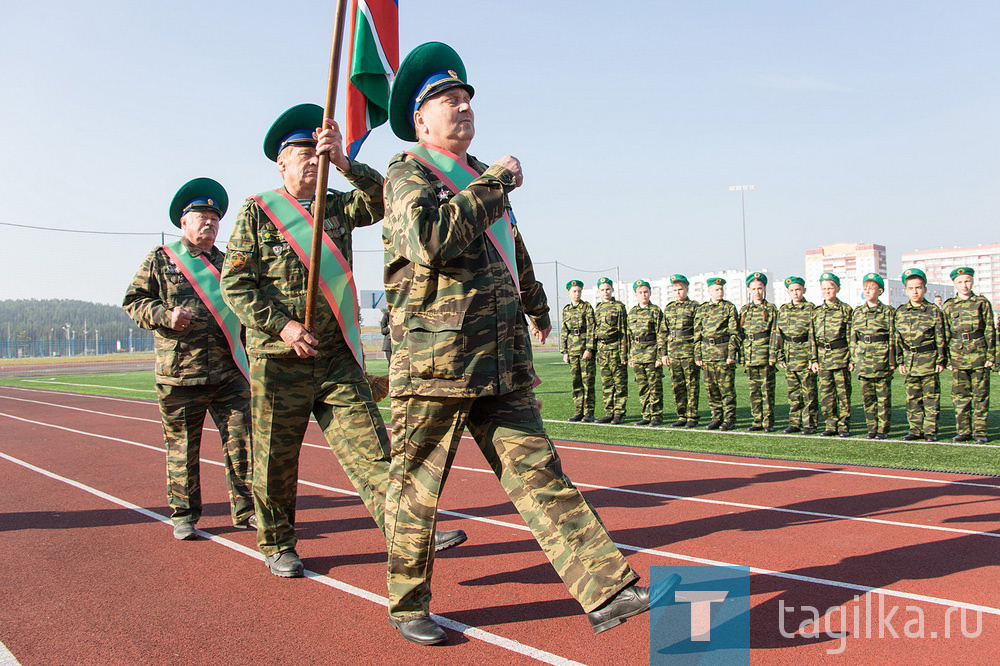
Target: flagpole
(319, 206)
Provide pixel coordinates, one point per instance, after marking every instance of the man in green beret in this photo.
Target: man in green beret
(971, 353)
(612, 352)
(462, 355)
(757, 326)
(873, 355)
(921, 347)
(578, 344)
(678, 329)
(646, 342)
(790, 349)
(830, 351)
(197, 367)
(716, 346)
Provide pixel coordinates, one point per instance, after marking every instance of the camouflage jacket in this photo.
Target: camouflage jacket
(873, 351)
(195, 356)
(716, 332)
(456, 315)
(971, 332)
(790, 342)
(578, 329)
(921, 340)
(612, 328)
(757, 326)
(645, 334)
(678, 328)
(831, 335)
(264, 281)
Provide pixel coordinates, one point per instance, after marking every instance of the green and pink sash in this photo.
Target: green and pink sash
(456, 176)
(336, 279)
(204, 277)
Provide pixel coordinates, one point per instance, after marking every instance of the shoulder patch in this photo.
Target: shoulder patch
(237, 260)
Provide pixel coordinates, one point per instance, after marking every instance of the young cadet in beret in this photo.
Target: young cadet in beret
(716, 346)
(831, 332)
(646, 351)
(678, 331)
(921, 347)
(757, 326)
(612, 352)
(971, 353)
(578, 344)
(873, 355)
(790, 348)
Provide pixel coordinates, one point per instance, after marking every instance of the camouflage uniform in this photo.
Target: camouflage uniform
(195, 373)
(462, 358)
(678, 332)
(645, 342)
(578, 336)
(874, 357)
(716, 340)
(971, 343)
(829, 346)
(757, 323)
(266, 288)
(790, 346)
(612, 354)
(921, 345)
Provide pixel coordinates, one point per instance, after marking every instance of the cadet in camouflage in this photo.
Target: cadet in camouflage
(678, 341)
(921, 347)
(646, 352)
(757, 326)
(578, 344)
(971, 353)
(195, 370)
(612, 352)
(873, 355)
(716, 346)
(830, 352)
(790, 349)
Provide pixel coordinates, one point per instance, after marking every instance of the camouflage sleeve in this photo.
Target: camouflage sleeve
(564, 335)
(624, 348)
(142, 299)
(424, 230)
(661, 335)
(533, 298)
(892, 339)
(813, 347)
(989, 331)
(362, 206)
(776, 344)
(735, 334)
(591, 324)
(698, 326)
(852, 344)
(940, 338)
(849, 321)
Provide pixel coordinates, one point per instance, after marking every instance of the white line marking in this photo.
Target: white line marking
(6, 657)
(116, 388)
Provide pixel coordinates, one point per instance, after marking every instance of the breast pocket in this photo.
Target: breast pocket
(435, 344)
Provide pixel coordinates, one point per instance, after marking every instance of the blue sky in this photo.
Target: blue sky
(856, 121)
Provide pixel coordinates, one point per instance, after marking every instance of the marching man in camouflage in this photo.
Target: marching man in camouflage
(462, 356)
(612, 352)
(971, 353)
(578, 344)
(195, 368)
(873, 355)
(646, 351)
(790, 349)
(716, 346)
(830, 352)
(757, 323)
(921, 347)
(678, 331)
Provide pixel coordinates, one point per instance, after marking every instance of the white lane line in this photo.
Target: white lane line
(460, 627)
(637, 549)
(6, 658)
(116, 388)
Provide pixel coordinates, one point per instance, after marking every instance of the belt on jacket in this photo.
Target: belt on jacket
(719, 340)
(930, 346)
(645, 338)
(609, 338)
(574, 331)
(867, 339)
(796, 338)
(682, 333)
(969, 337)
(839, 343)
(759, 336)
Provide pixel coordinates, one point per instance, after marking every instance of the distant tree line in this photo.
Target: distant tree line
(33, 320)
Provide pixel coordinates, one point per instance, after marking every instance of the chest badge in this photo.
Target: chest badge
(443, 194)
(277, 249)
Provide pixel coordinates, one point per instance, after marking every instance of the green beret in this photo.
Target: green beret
(914, 273)
(832, 277)
(573, 283)
(715, 280)
(962, 270)
(294, 127)
(756, 276)
(605, 280)
(876, 278)
(677, 277)
(793, 279)
(640, 283)
(416, 72)
(198, 194)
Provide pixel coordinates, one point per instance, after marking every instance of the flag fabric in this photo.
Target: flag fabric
(373, 60)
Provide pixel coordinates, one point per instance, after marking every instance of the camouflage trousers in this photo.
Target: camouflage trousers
(970, 393)
(649, 377)
(614, 380)
(835, 398)
(761, 379)
(584, 375)
(286, 391)
(923, 403)
(684, 374)
(803, 410)
(509, 431)
(720, 384)
(182, 411)
(876, 395)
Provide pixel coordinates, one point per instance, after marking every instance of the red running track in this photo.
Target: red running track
(94, 576)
